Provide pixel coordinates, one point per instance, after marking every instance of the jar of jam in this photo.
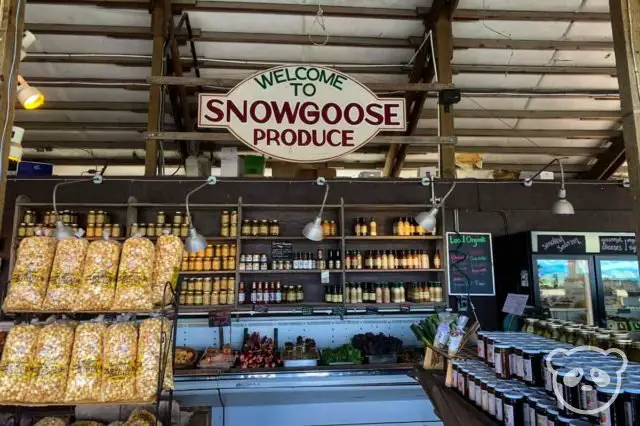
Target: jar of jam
(481, 346)
(207, 285)
(216, 264)
(489, 354)
(263, 231)
(215, 297)
(116, 231)
(499, 396)
(502, 355)
(532, 367)
(206, 298)
(245, 230)
(232, 250)
(512, 407)
(274, 228)
(231, 263)
(208, 252)
(225, 250)
(216, 284)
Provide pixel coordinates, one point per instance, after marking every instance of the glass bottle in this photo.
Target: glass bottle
(255, 228)
(264, 228)
(385, 261)
(359, 293)
(424, 259)
(373, 227)
(358, 260)
(327, 295)
(274, 228)
(334, 228)
(412, 228)
(378, 294)
(378, 260)
(368, 260)
(245, 231)
(386, 294)
(278, 292)
(353, 293)
(437, 263)
(337, 262)
(364, 229)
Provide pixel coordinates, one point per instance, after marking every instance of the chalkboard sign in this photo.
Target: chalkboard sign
(618, 245)
(470, 264)
(562, 244)
(281, 250)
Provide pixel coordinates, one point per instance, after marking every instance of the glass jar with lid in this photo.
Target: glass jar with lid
(215, 297)
(199, 264)
(161, 218)
(91, 217)
(245, 231)
(555, 331)
(274, 228)
(225, 250)
(177, 218)
(255, 228)
(207, 263)
(231, 263)
(216, 264)
(208, 252)
(232, 250)
(263, 231)
(603, 341)
(530, 325)
(207, 285)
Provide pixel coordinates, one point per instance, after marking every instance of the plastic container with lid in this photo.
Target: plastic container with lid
(512, 407)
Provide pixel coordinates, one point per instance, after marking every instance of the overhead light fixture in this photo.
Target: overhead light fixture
(64, 231)
(313, 230)
(429, 219)
(562, 206)
(27, 40)
(195, 242)
(29, 96)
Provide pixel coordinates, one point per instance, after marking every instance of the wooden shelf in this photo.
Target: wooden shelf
(393, 237)
(281, 238)
(293, 271)
(374, 271)
(188, 273)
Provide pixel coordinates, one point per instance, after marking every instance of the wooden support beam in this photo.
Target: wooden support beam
(531, 133)
(92, 106)
(533, 69)
(62, 126)
(625, 22)
(501, 43)
(529, 15)
(230, 83)
(605, 115)
(158, 21)
(12, 21)
(609, 161)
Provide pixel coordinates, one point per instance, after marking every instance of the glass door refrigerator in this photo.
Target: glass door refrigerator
(589, 278)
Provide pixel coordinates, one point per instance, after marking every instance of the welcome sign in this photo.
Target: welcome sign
(303, 114)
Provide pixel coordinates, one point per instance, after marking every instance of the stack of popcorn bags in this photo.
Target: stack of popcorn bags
(96, 361)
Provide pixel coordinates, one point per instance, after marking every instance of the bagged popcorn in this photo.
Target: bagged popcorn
(66, 275)
(133, 290)
(17, 356)
(98, 285)
(169, 249)
(119, 363)
(85, 370)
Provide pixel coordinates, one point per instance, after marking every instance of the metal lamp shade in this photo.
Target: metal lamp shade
(195, 242)
(428, 220)
(313, 230)
(62, 231)
(562, 206)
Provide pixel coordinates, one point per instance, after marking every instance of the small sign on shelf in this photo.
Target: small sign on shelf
(515, 304)
(372, 310)
(219, 318)
(405, 307)
(339, 311)
(263, 309)
(307, 311)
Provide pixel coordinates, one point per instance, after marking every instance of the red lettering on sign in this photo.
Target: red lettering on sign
(272, 136)
(375, 115)
(347, 136)
(337, 113)
(348, 114)
(211, 107)
(309, 113)
(253, 111)
(389, 114)
(258, 135)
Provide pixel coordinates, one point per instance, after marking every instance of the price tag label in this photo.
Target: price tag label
(405, 307)
(219, 318)
(515, 303)
(371, 310)
(324, 277)
(307, 310)
(261, 309)
(624, 311)
(339, 311)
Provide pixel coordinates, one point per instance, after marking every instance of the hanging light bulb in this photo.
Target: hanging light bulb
(429, 219)
(63, 231)
(313, 230)
(29, 96)
(561, 206)
(195, 242)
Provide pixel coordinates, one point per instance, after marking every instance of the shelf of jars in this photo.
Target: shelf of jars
(235, 230)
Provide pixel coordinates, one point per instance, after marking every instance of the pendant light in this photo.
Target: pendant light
(63, 231)
(195, 242)
(561, 206)
(29, 96)
(313, 230)
(429, 219)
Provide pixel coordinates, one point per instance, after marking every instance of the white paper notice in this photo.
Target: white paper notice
(515, 303)
(324, 277)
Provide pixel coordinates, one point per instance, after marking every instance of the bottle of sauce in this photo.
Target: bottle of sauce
(385, 261)
(373, 227)
(347, 293)
(334, 228)
(411, 228)
(259, 298)
(438, 292)
(396, 230)
(378, 294)
(386, 294)
(424, 259)
(402, 293)
(358, 260)
(403, 260)
(278, 293)
(327, 295)
(300, 294)
(353, 293)
(378, 260)
(254, 295)
(364, 229)
(368, 260)
(359, 293)
(337, 261)
(437, 263)
(347, 259)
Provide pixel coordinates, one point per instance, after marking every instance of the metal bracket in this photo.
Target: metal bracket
(321, 181)
(527, 182)
(212, 180)
(426, 181)
(97, 179)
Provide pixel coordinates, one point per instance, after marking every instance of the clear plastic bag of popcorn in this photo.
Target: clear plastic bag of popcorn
(50, 364)
(154, 347)
(119, 363)
(66, 275)
(85, 370)
(17, 355)
(51, 421)
(28, 284)
(98, 285)
(169, 249)
(133, 290)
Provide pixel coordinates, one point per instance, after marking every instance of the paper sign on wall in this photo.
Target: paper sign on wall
(302, 113)
(515, 304)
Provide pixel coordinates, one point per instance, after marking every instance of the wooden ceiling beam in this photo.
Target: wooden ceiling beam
(609, 161)
(489, 43)
(430, 113)
(529, 15)
(532, 69)
(140, 107)
(531, 133)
